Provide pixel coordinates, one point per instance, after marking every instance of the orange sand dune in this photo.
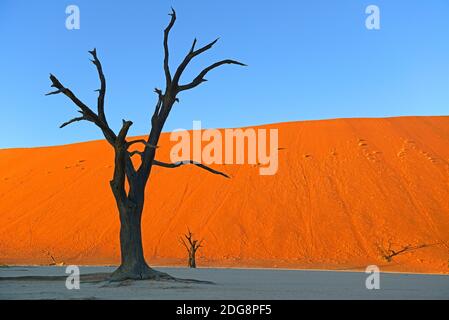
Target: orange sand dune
(345, 189)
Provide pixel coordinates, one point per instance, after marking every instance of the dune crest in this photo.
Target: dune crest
(348, 193)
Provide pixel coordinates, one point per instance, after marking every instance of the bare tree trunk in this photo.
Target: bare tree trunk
(132, 257)
(133, 264)
(192, 261)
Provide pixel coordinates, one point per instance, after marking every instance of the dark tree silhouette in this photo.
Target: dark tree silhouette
(192, 247)
(130, 200)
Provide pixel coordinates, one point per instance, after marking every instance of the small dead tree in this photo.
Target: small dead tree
(130, 199)
(388, 253)
(53, 260)
(192, 247)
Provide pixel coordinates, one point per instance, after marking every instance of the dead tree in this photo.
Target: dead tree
(130, 200)
(192, 247)
(53, 260)
(388, 253)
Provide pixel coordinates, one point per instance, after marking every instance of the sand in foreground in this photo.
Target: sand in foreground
(235, 284)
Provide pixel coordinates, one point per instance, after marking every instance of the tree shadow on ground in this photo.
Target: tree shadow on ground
(102, 278)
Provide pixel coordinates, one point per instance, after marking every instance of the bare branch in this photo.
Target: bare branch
(199, 244)
(102, 90)
(72, 121)
(54, 92)
(200, 78)
(88, 114)
(158, 92)
(192, 54)
(181, 163)
(193, 46)
(203, 49)
(158, 106)
(68, 93)
(133, 153)
(189, 236)
(166, 51)
(181, 240)
(121, 138)
(142, 141)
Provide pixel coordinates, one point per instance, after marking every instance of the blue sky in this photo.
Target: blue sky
(311, 59)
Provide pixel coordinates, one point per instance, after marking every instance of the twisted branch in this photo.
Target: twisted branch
(102, 90)
(192, 54)
(181, 163)
(166, 50)
(200, 78)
